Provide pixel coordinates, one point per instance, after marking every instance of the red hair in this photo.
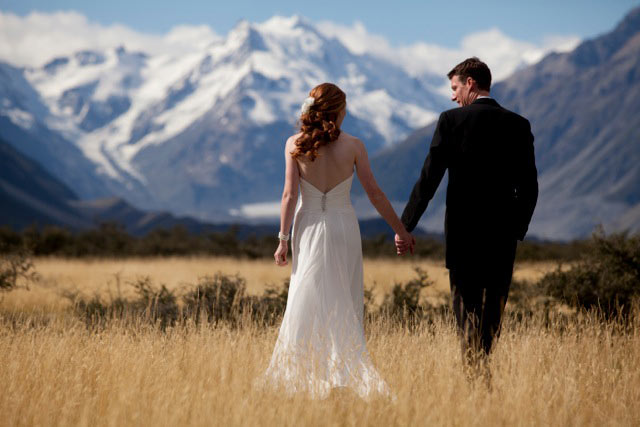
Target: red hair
(318, 125)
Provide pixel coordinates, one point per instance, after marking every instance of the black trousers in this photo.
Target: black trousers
(479, 295)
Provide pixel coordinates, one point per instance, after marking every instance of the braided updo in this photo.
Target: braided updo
(318, 124)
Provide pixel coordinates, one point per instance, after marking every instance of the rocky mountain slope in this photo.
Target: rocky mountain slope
(584, 110)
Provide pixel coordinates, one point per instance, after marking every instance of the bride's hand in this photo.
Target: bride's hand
(404, 242)
(281, 253)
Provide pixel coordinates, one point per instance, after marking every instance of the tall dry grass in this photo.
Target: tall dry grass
(54, 371)
(558, 370)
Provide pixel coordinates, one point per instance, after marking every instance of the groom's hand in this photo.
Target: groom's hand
(404, 244)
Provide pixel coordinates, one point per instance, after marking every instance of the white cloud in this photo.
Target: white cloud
(258, 210)
(356, 38)
(36, 38)
(502, 53)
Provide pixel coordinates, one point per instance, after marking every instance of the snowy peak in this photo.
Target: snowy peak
(81, 58)
(89, 57)
(295, 35)
(244, 38)
(90, 89)
(202, 110)
(287, 25)
(290, 29)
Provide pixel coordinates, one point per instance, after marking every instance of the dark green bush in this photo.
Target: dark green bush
(404, 304)
(268, 308)
(405, 297)
(156, 304)
(110, 239)
(153, 305)
(527, 298)
(218, 298)
(529, 250)
(10, 240)
(223, 299)
(607, 277)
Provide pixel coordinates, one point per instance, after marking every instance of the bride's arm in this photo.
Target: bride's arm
(289, 200)
(376, 195)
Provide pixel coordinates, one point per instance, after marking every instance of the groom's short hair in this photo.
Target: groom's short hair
(474, 68)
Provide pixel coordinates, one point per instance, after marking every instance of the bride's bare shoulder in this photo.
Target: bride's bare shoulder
(348, 137)
(294, 137)
(291, 141)
(353, 141)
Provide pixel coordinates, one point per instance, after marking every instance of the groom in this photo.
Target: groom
(491, 196)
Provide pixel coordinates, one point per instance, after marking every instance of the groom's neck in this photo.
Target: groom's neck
(476, 94)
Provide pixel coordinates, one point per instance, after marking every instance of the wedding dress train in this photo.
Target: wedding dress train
(321, 342)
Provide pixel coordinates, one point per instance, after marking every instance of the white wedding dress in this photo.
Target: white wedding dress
(321, 343)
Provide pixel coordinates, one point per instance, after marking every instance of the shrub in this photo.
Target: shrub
(223, 298)
(214, 299)
(403, 304)
(218, 298)
(154, 305)
(112, 240)
(529, 250)
(268, 308)
(607, 277)
(13, 266)
(10, 240)
(527, 298)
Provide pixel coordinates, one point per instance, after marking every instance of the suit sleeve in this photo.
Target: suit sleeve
(432, 172)
(526, 184)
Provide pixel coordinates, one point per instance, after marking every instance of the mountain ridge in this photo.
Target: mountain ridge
(201, 133)
(583, 107)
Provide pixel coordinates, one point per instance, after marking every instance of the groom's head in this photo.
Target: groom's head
(469, 79)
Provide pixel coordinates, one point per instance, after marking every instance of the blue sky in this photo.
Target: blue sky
(421, 36)
(401, 22)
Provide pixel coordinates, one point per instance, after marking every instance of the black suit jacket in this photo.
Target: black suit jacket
(493, 186)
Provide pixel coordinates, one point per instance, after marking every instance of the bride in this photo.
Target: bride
(321, 343)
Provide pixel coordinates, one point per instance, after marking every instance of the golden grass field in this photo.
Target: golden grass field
(102, 276)
(54, 371)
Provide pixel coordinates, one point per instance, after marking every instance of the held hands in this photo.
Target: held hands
(281, 253)
(404, 243)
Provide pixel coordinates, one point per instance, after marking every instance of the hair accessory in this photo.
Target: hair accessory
(304, 109)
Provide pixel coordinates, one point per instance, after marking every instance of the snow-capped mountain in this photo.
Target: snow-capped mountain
(202, 133)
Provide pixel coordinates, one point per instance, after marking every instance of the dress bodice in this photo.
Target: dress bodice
(336, 199)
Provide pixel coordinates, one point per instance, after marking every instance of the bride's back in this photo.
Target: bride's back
(333, 165)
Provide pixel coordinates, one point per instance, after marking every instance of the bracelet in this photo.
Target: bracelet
(284, 237)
